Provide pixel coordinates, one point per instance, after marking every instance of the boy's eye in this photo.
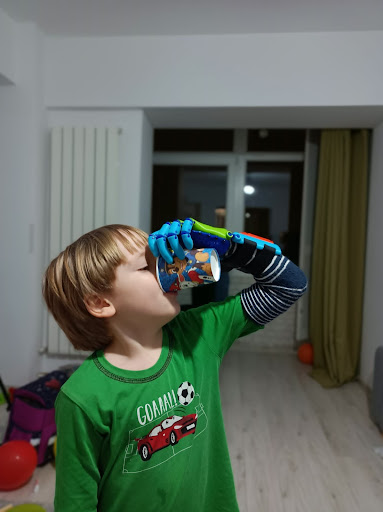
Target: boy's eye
(144, 268)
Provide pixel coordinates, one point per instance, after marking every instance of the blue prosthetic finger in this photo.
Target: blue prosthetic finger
(185, 233)
(162, 237)
(175, 228)
(163, 248)
(152, 241)
(173, 239)
(153, 237)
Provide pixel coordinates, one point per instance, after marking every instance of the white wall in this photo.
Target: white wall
(23, 174)
(317, 69)
(372, 332)
(7, 49)
(276, 70)
(146, 166)
(136, 151)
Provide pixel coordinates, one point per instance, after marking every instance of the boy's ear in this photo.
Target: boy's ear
(99, 306)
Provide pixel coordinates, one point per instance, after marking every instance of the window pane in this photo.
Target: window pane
(276, 140)
(267, 204)
(188, 191)
(273, 204)
(193, 140)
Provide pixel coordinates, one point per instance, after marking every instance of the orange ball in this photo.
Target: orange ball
(306, 353)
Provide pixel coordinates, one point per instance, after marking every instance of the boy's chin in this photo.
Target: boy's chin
(175, 309)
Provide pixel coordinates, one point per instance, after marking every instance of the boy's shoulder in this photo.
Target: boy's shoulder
(83, 381)
(87, 393)
(221, 309)
(214, 326)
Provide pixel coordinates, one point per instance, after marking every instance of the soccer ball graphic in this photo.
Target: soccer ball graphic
(185, 393)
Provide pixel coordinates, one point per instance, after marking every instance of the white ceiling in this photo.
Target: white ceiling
(187, 17)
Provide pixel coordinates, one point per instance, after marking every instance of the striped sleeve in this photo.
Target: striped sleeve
(274, 291)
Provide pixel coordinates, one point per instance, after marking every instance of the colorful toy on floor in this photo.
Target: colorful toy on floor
(4, 396)
(306, 353)
(18, 460)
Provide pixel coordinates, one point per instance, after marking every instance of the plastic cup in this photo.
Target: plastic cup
(200, 267)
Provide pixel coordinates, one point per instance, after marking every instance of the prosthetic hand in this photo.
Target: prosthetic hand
(236, 250)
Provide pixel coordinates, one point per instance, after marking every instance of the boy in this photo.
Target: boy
(140, 424)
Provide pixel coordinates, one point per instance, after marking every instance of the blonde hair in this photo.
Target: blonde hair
(84, 268)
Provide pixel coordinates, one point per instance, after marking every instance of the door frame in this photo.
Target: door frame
(236, 165)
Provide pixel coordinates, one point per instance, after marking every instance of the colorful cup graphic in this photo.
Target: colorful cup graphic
(200, 267)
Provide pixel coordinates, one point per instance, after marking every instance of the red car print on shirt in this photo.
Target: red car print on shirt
(167, 433)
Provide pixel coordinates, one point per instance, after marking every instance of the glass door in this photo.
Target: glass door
(197, 191)
(273, 203)
(244, 180)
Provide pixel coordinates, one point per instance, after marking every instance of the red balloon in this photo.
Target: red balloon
(18, 460)
(306, 353)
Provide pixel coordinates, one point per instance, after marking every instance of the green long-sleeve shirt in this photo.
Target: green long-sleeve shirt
(151, 440)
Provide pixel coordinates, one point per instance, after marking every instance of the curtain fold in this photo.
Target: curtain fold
(336, 288)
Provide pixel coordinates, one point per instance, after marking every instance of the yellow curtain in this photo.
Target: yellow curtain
(336, 288)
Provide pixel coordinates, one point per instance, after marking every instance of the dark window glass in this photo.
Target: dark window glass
(273, 203)
(193, 140)
(192, 191)
(276, 140)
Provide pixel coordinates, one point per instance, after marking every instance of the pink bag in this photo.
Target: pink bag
(32, 415)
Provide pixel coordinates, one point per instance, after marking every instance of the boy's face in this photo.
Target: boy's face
(136, 294)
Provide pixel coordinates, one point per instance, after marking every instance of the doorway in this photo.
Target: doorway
(273, 203)
(206, 174)
(197, 191)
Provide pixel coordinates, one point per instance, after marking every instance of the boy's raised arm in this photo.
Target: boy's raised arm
(278, 281)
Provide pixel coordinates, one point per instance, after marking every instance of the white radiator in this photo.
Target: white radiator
(84, 194)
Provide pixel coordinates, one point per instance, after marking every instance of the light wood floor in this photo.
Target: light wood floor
(295, 447)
